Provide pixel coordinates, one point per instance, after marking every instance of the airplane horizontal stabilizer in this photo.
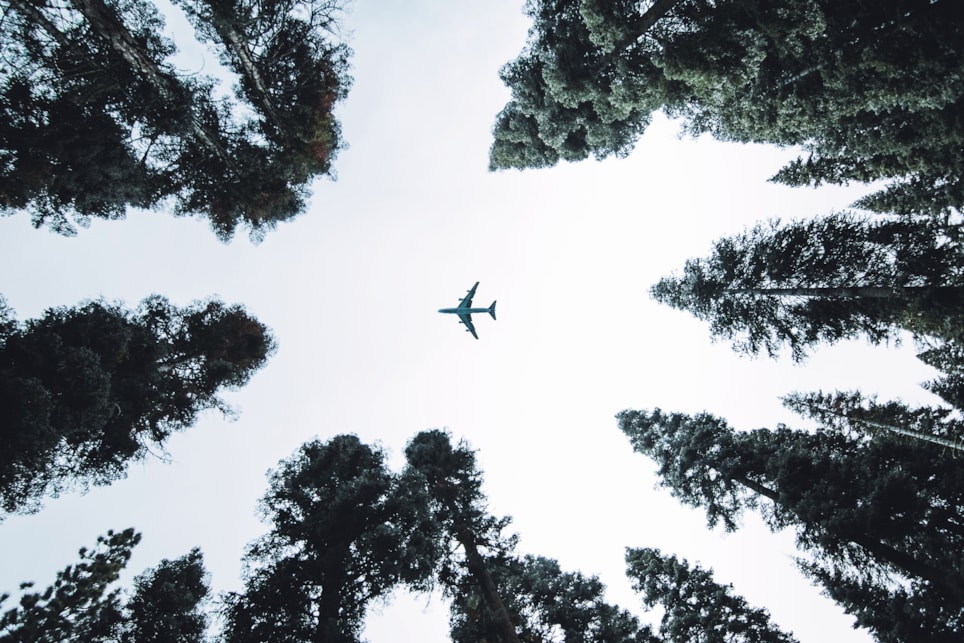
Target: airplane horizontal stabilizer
(492, 310)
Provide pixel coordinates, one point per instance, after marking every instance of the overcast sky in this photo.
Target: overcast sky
(351, 290)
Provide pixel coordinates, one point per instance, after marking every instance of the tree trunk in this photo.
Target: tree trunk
(238, 45)
(854, 292)
(476, 565)
(857, 292)
(956, 445)
(105, 22)
(659, 9)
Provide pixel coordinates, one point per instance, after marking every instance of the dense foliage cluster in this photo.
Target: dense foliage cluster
(871, 90)
(821, 280)
(880, 517)
(82, 604)
(86, 390)
(94, 119)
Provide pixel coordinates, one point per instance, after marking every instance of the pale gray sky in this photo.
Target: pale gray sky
(351, 289)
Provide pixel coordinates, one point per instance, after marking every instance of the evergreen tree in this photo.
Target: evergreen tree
(288, 71)
(870, 89)
(82, 606)
(822, 280)
(546, 604)
(894, 614)
(77, 607)
(877, 513)
(85, 390)
(696, 608)
(570, 98)
(344, 532)
(95, 120)
(948, 357)
(853, 412)
(453, 486)
(166, 603)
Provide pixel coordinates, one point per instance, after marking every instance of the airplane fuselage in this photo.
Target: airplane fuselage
(463, 311)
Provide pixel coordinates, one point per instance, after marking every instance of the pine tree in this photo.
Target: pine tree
(546, 604)
(453, 486)
(288, 71)
(86, 390)
(344, 532)
(877, 513)
(83, 604)
(696, 608)
(95, 120)
(166, 604)
(77, 607)
(851, 411)
(870, 89)
(822, 280)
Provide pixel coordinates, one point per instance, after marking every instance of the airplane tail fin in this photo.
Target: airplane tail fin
(492, 310)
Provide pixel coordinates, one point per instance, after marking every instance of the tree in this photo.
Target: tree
(894, 614)
(85, 390)
(570, 99)
(853, 412)
(77, 606)
(288, 71)
(80, 606)
(166, 602)
(822, 280)
(696, 608)
(95, 120)
(842, 79)
(344, 532)
(545, 604)
(878, 513)
(948, 357)
(453, 485)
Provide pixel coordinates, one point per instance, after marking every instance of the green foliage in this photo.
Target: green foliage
(883, 514)
(871, 90)
(893, 614)
(696, 608)
(166, 602)
(569, 100)
(852, 412)
(93, 120)
(948, 357)
(77, 607)
(80, 606)
(545, 604)
(344, 532)
(85, 390)
(823, 280)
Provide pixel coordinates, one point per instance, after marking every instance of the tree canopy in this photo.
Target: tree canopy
(86, 390)
(96, 120)
(84, 603)
(343, 532)
(880, 517)
(869, 89)
(697, 608)
(840, 276)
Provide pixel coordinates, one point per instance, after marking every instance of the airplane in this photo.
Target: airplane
(465, 310)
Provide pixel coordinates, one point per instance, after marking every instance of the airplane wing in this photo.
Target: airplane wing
(467, 320)
(467, 300)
